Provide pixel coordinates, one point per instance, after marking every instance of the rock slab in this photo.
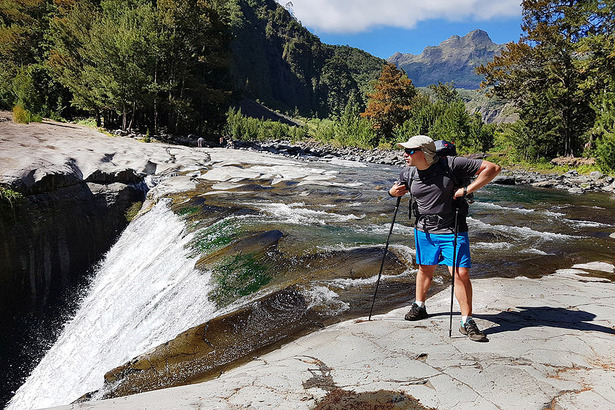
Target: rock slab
(551, 346)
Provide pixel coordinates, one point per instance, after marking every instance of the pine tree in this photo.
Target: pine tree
(389, 105)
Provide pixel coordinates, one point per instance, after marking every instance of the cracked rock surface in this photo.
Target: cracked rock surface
(551, 345)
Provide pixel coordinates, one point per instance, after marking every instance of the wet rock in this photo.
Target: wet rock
(256, 244)
(202, 351)
(576, 190)
(504, 180)
(544, 184)
(50, 239)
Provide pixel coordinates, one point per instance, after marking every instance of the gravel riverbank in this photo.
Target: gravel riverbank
(571, 181)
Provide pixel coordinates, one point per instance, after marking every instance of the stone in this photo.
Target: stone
(549, 343)
(596, 175)
(544, 184)
(504, 180)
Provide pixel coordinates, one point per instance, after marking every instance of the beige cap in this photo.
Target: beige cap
(425, 144)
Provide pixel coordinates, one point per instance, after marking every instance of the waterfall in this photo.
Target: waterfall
(145, 292)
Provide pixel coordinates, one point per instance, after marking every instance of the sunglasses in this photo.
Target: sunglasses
(411, 151)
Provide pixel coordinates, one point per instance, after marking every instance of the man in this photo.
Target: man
(432, 184)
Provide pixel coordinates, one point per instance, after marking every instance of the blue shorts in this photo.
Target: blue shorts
(437, 249)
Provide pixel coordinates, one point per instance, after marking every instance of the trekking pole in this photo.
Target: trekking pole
(383, 257)
(450, 325)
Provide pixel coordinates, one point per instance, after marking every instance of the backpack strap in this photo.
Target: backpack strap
(449, 172)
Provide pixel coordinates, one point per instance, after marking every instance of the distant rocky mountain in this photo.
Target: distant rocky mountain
(453, 60)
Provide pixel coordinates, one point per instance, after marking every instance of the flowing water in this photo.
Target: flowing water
(322, 227)
(145, 292)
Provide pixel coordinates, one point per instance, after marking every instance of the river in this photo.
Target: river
(317, 225)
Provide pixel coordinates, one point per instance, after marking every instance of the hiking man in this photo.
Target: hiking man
(435, 185)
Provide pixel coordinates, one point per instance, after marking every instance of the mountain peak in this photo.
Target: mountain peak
(478, 35)
(453, 60)
(474, 39)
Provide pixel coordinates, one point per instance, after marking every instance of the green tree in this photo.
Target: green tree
(163, 63)
(23, 24)
(353, 130)
(103, 54)
(442, 115)
(539, 73)
(194, 64)
(337, 88)
(445, 93)
(120, 51)
(599, 69)
(389, 105)
(70, 34)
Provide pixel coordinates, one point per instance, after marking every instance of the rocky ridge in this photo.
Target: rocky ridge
(453, 60)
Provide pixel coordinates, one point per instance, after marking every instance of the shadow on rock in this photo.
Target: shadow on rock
(543, 316)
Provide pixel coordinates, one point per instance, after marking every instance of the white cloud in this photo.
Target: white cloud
(353, 16)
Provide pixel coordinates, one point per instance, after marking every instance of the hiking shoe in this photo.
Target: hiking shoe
(470, 329)
(416, 313)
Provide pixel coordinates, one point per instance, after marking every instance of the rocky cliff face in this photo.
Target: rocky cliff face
(453, 60)
(51, 238)
(72, 187)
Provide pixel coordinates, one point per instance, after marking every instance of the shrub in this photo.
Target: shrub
(605, 152)
(21, 115)
(10, 198)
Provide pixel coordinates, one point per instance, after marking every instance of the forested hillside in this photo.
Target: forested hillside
(279, 62)
(175, 64)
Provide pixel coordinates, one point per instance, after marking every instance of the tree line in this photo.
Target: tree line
(130, 63)
(395, 109)
(561, 77)
(172, 64)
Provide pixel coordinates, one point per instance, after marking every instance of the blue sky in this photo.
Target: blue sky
(385, 27)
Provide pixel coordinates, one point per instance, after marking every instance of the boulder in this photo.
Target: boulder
(544, 184)
(596, 175)
(504, 180)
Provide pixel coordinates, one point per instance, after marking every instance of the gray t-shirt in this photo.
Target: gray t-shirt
(433, 191)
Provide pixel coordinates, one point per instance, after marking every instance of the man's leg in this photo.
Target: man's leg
(463, 289)
(423, 281)
(463, 293)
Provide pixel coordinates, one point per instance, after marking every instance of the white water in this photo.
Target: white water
(145, 292)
